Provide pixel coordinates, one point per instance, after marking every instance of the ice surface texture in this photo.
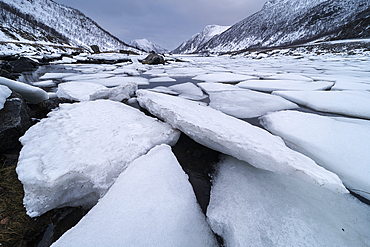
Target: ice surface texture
(252, 207)
(151, 204)
(78, 90)
(229, 135)
(30, 93)
(341, 145)
(72, 157)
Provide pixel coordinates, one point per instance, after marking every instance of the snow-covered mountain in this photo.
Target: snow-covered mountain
(287, 22)
(148, 46)
(48, 21)
(199, 39)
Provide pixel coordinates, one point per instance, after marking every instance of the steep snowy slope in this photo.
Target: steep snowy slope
(147, 46)
(36, 20)
(199, 39)
(287, 22)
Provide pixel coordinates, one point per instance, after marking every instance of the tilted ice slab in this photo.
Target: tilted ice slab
(223, 77)
(151, 204)
(48, 76)
(72, 157)
(119, 80)
(5, 92)
(210, 87)
(285, 85)
(78, 90)
(247, 104)
(48, 83)
(235, 137)
(119, 93)
(341, 145)
(188, 90)
(252, 207)
(350, 103)
(29, 93)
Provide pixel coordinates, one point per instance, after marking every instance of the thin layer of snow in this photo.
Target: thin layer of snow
(5, 92)
(284, 85)
(350, 103)
(119, 93)
(217, 87)
(237, 138)
(341, 145)
(162, 79)
(162, 89)
(78, 90)
(48, 83)
(223, 77)
(151, 204)
(187, 88)
(29, 93)
(72, 157)
(248, 104)
(252, 207)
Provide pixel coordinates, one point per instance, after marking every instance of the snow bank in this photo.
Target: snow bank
(29, 93)
(252, 207)
(120, 93)
(247, 103)
(341, 145)
(237, 138)
(5, 92)
(78, 90)
(285, 85)
(151, 204)
(350, 103)
(72, 157)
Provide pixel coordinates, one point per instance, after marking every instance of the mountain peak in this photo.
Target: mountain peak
(147, 46)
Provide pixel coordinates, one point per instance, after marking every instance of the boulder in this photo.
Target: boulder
(153, 59)
(20, 65)
(95, 49)
(14, 121)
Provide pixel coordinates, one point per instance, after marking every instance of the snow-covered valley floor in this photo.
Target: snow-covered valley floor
(293, 131)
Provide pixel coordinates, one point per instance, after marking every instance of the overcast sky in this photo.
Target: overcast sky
(165, 22)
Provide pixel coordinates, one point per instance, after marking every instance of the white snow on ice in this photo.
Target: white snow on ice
(235, 137)
(341, 145)
(151, 204)
(5, 92)
(78, 90)
(284, 85)
(252, 207)
(225, 77)
(72, 157)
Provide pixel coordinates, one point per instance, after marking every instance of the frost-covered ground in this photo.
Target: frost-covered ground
(286, 188)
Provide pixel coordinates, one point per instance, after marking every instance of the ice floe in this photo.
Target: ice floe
(119, 93)
(151, 204)
(188, 90)
(341, 145)
(119, 80)
(47, 83)
(350, 103)
(78, 90)
(247, 104)
(235, 137)
(252, 207)
(30, 93)
(5, 92)
(72, 157)
(225, 77)
(285, 85)
(48, 76)
(162, 79)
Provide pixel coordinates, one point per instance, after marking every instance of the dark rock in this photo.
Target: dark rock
(95, 49)
(41, 109)
(20, 65)
(6, 74)
(127, 52)
(14, 121)
(154, 59)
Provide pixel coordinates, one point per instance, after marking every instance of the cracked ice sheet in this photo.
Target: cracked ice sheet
(284, 85)
(341, 145)
(350, 103)
(151, 204)
(252, 207)
(243, 103)
(72, 157)
(237, 138)
(223, 77)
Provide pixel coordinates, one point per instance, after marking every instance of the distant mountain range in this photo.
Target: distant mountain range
(199, 39)
(148, 46)
(50, 22)
(288, 22)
